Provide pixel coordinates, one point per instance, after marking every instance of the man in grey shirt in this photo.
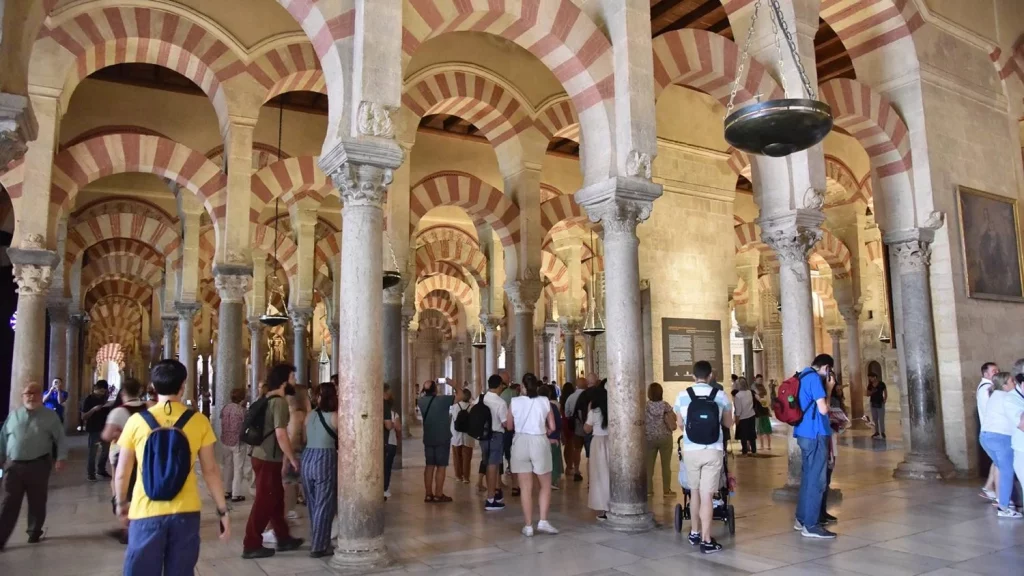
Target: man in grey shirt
(437, 439)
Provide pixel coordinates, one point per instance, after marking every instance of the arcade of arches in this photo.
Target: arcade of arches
(175, 169)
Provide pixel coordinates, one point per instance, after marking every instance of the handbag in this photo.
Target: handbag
(670, 420)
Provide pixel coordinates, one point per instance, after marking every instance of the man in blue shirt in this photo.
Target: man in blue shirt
(812, 435)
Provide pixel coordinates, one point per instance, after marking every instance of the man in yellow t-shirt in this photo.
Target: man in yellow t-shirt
(158, 527)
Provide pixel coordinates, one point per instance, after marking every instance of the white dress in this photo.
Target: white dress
(597, 464)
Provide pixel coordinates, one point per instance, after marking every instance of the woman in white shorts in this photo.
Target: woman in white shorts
(531, 418)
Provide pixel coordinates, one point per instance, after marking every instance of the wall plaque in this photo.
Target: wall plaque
(685, 341)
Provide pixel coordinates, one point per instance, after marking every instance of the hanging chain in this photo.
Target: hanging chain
(391, 248)
(743, 60)
(774, 18)
(777, 12)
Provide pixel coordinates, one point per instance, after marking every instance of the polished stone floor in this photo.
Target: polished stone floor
(887, 528)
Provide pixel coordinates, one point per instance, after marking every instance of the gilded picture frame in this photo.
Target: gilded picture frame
(991, 245)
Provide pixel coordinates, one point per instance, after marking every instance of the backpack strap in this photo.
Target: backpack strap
(714, 392)
(691, 394)
(183, 419)
(150, 420)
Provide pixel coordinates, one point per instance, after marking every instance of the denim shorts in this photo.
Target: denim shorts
(437, 455)
(491, 451)
(292, 476)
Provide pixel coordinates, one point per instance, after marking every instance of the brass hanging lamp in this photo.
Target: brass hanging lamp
(778, 127)
(593, 325)
(479, 340)
(271, 317)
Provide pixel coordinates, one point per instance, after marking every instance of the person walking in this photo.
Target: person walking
(746, 418)
(163, 536)
(598, 466)
(437, 438)
(492, 447)
(568, 428)
(764, 414)
(130, 403)
(1013, 410)
(576, 413)
(996, 431)
(696, 409)
(320, 470)
(95, 409)
(26, 455)
(393, 433)
(812, 435)
(462, 444)
(55, 398)
(988, 371)
(659, 423)
(268, 459)
(232, 415)
(555, 436)
(531, 420)
(879, 396)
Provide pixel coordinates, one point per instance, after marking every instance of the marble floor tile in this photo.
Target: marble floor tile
(875, 561)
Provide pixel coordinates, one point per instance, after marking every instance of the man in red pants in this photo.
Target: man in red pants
(267, 461)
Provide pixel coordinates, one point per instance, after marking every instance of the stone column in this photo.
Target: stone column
(926, 459)
(257, 356)
(546, 356)
(73, 369)
(168, 324)
(588, 352)
(57, 365)
(33, 270)
(568, 327)
(361, 171)
(836, 335)
(392, 332)
(407, 399)
(233, 281)
(621, 204)
(490, 324)
(300, 354)
(748, 354)
(186, 312)
(855, 385)
(759, 362)
(792, 239)
(524, 294)
(333, 329)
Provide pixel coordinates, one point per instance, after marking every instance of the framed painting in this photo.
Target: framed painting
(990, 237)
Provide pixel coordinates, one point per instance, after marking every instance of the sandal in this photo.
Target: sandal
(442, 498)
(429, 499)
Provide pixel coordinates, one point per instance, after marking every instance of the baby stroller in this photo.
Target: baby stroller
(720, 501)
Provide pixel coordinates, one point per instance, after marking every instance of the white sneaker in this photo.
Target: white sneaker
(1009, 513)
(546, 527)
(528, 531)
(798, 526)
(990, 494)
(269, 537)
(387, 493)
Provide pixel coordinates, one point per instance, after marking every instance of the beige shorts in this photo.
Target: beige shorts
(704, 469)
(531, 453)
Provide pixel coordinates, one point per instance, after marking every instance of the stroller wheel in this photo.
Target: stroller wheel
(731, 519)
(679, 518)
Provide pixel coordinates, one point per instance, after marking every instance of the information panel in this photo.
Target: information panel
(685, 341)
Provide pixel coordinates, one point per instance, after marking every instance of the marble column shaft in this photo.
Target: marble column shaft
(491, 350)
(57, 364)
(748, 357)
(588, 353)
(257, 356)
(73, 369)
(232, 281)
(392, 329)
(186, 312)
(546, 357)
(524, 295)
(569, 338)
(169, 323)
(926, 459)
(855, 386)
(33, 269)
(300, 351)
(407, 400)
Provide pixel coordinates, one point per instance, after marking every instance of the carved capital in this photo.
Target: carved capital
(851, 313)
(233, 287)
(362, 184)
(568, 325)
(17, 128)
(300, 317)
(168, 324)
(255, 326)
(524, 294)
(836, 333)
(620, 204)
(620, 217)
(792, 244)
(638, 165)
(393, 296)
(912, 256)
(187, 310)
(32, 280)
(374, 119)
(747, 332)
(490, 322)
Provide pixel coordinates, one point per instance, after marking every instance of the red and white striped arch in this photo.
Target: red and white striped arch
(482, 201)
(122, 265)
(869, 25)
(558, 119)
(291, 179)
(81, 235)
(439, 323)
(102, 37)
(131, 247)
(870, 118)
(495, 110)
(111, 352)
(707, 62)
(457, 288)
(875, 250)
(555, 270)
(287, 251)
(834, 252)
(291, 68)
(130, 288)
(327, 251)
(439, 301)
(434, 268)
(561, 209)
(208, 295)
(461, 253)
(739, 162)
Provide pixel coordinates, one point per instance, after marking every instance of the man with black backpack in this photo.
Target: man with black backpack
(165, 441)
(702, 410)
(487, 424)
(812, 434)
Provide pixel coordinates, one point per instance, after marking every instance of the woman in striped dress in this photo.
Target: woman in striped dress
(320, 469)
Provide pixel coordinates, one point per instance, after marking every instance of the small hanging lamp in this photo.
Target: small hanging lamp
(271, 317)
(479, 341)
(391, 277)
(758, 345)
(593, 325)
(883, 334)
(777, 127)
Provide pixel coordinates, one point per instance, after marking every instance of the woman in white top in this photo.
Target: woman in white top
(996, 429)
(531, 418)
(746, 418)
(597, 464)
(462, 444)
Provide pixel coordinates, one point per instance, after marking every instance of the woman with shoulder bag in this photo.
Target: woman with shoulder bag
(659, 423)
(320, 469)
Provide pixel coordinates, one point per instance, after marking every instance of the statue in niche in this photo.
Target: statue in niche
(275, 349)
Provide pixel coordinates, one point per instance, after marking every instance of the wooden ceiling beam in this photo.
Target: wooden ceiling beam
(696, 14)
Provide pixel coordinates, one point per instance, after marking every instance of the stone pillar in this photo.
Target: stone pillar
(57, 365)
(73, 369)
(926, 459)
(568, 327)
(33, 270)
(233, 281)
(855, 385)
(836, 335)
(186, 312)
(333, 329)
(361, 171)
(491, 324)
(524, 294)
(759, 362)
(408, 399)
(257, 356)
(748, 354)
(392, 333)
(792, 239)
(300, 354)
(546, 356)
(588, 353)
(621, 204)
(168, 323)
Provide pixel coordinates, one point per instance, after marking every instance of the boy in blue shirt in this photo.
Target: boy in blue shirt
(812, 435)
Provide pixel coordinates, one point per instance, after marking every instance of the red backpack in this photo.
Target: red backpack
(787, 402)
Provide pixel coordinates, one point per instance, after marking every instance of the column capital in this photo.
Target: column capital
(524, 293)
(851, 312)
(791, 237)
(568, 325)
(33, 266)
(836, 332)
(362, 169)
(393, 296)
(168, 324)
(255, 326)
(747, 332)
(620, 203)
(187, 310)
(300, 317)
(490, 321)
(77, 320)
(232, 282)
(18, 127)
(912, 255)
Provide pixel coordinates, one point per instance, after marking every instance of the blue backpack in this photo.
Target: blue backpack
(166, 459)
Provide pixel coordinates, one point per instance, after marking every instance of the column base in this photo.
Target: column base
(860, 424)
(924, 467)
(360, 556)
(791, 493)
(629, 523)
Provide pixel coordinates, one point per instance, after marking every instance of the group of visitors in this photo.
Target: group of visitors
(1000, 399)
